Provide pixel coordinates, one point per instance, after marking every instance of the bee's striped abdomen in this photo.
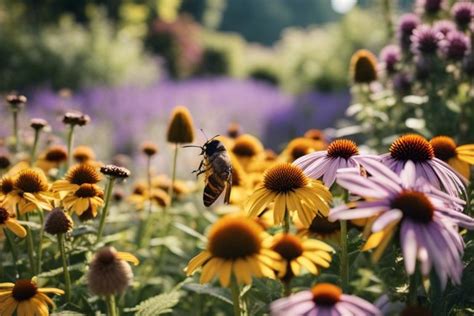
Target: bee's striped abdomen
(214, 187)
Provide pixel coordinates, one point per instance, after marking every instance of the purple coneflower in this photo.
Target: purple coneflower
(390, 56)
(341, 153)
(429, 6)
(407, 23)
(427, 218)
(444, 27)
(455, 45)
(416, 148)
(425, 40)
(462, 13)
(323, 299)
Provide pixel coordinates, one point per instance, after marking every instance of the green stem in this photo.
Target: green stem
(235, 297)
(143, 227)
(173, 174)
(412, 290)
(35, 147)
(287, 288)
(111, 306)
(30, 246)
(344, 260)
(39, 251)
(67, 277)
(15, 130)
(286, 222)
(108, 195)
(70, 141)
(11, 245)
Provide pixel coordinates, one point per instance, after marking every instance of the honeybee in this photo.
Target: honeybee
(217, 168)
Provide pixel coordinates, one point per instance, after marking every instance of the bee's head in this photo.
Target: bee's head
(213, 146)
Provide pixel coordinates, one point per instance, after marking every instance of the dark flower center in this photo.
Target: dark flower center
(246, 146)
(321, 225)
(411, 147)
(342, 148)
(284, 177)
(24, 290)
(4, 215)
(7, 185)
(31, 181)
(326, 294)
(83, 173)
(86, 190)
(364, 66)
(106, 256)
(444, 147)
(414, 205)
(288, 246)
(56, 154)
(234, 237)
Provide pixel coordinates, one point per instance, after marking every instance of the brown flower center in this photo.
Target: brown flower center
(31, 181)
(83, 153)
(4, 215)
(56, 154)
(301, 146)
(321, 225)
(284, 177)
(342, 148)
(106, 256)
(24, 290)
(247, 146)
(83, 173)
(364, 67)
(288, 246)
(234, 237)
(326, 294)
(411, 147)
(86, 190)
(414, 205)
(444, 147)
(7, 185)
(314, 134)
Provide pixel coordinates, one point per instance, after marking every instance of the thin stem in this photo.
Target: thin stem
(344, 260)
(412, 298)
(108, 194)
(111, 306)
(39, 251)
(286, 222)
(145, 222)
(35, 147)
(30, 246)
(67, 277)
(70, 141)
(11, 245)
(16, 137)
(235, 297)
(173, 174)
(287, 288)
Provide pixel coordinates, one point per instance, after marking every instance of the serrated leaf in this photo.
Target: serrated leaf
(207, 289)
(157, 305)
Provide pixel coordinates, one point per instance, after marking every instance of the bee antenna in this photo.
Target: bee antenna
(215, 136)
(193, 146)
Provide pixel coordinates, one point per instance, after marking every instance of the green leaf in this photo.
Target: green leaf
(207, 289)
(157, 305)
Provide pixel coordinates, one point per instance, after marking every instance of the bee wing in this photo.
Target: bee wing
(228, 189)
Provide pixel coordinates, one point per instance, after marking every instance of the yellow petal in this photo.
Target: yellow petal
(197, 262)
(16, 228)
(128, 257)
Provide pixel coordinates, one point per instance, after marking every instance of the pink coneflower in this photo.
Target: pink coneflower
(341, 153)
(416, 148)
(427, 218)
(323, 299)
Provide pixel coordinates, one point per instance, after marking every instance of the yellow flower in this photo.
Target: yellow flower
(290, 190)
(248, 149)
(459, 157)
(25, 298)
(236, 248)
(363, 66)
(320, 228)
(141, 197)
(299, 147)
(180, 127)
(75, 177)
(9, 222)
(88, 197)
(52, 158)
(30, 192)
(299, 253)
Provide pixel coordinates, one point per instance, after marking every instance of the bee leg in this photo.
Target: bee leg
(200, 167)
(203, 171)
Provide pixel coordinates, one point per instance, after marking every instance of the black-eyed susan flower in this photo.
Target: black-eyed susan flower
(180, 127)
(459, 157)
(141, 196)
(4, 160)
(248, 149)
(363, 67)
(163, 182)
(26, 298)
(323, 299)
(299, 253)
(75, 177)
(234, 130)
(415, 148)
(8, 221)
(83, 154)
(300, 147)
(320, 228)
(290, 190)
(53, 157)
(236, 248)
(30, 191)
(7, 200)
(87, 198)
(110, 272)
